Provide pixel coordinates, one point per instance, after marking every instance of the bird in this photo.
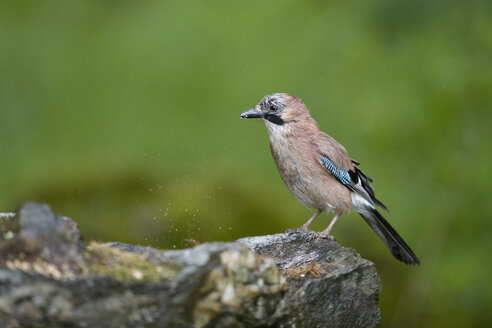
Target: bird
(319, 172)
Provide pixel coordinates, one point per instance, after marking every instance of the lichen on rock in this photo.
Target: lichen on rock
(243, 288)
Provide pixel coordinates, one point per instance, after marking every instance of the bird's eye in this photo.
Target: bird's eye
(273, 108)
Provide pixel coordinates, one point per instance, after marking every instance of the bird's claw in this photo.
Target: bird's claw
(325, 235)
(329, 237)
(298, 230)
(311, 235)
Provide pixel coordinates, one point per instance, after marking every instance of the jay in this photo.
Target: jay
(319, 172)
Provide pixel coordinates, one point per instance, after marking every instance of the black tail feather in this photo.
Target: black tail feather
(390, 237)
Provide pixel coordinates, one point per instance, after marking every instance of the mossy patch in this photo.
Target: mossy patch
(124, 266)
(9, 224)
(98, 259)
(313, 269)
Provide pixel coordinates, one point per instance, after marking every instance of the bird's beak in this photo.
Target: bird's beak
(251, 113)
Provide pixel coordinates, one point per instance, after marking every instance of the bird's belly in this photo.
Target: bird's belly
(303, 190)
(312, 189)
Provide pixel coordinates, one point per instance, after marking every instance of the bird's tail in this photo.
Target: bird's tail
(390, 237)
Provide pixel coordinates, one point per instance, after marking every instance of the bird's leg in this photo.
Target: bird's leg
(326, 233)
(305, 226)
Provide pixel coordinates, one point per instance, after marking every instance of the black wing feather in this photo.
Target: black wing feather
(366, 184)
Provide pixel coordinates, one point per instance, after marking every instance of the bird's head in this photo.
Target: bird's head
(278, 108)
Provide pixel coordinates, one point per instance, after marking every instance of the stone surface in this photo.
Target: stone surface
(50, 278)
(329, 285)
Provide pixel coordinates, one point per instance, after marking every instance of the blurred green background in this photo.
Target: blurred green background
(124, 115)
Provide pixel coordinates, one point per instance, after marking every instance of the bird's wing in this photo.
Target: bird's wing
(365, 182)
(330, 148)
(336, 160)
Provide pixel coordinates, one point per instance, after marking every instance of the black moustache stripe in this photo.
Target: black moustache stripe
(274, 119)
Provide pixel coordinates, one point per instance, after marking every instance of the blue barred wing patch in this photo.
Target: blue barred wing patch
(342, 175)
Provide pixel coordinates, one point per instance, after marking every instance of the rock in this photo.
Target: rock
(50, 278)
(329, 285)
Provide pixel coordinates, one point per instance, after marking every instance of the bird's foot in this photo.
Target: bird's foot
(297, 230)
(311, 234)
(329, 237)
(315, 234)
